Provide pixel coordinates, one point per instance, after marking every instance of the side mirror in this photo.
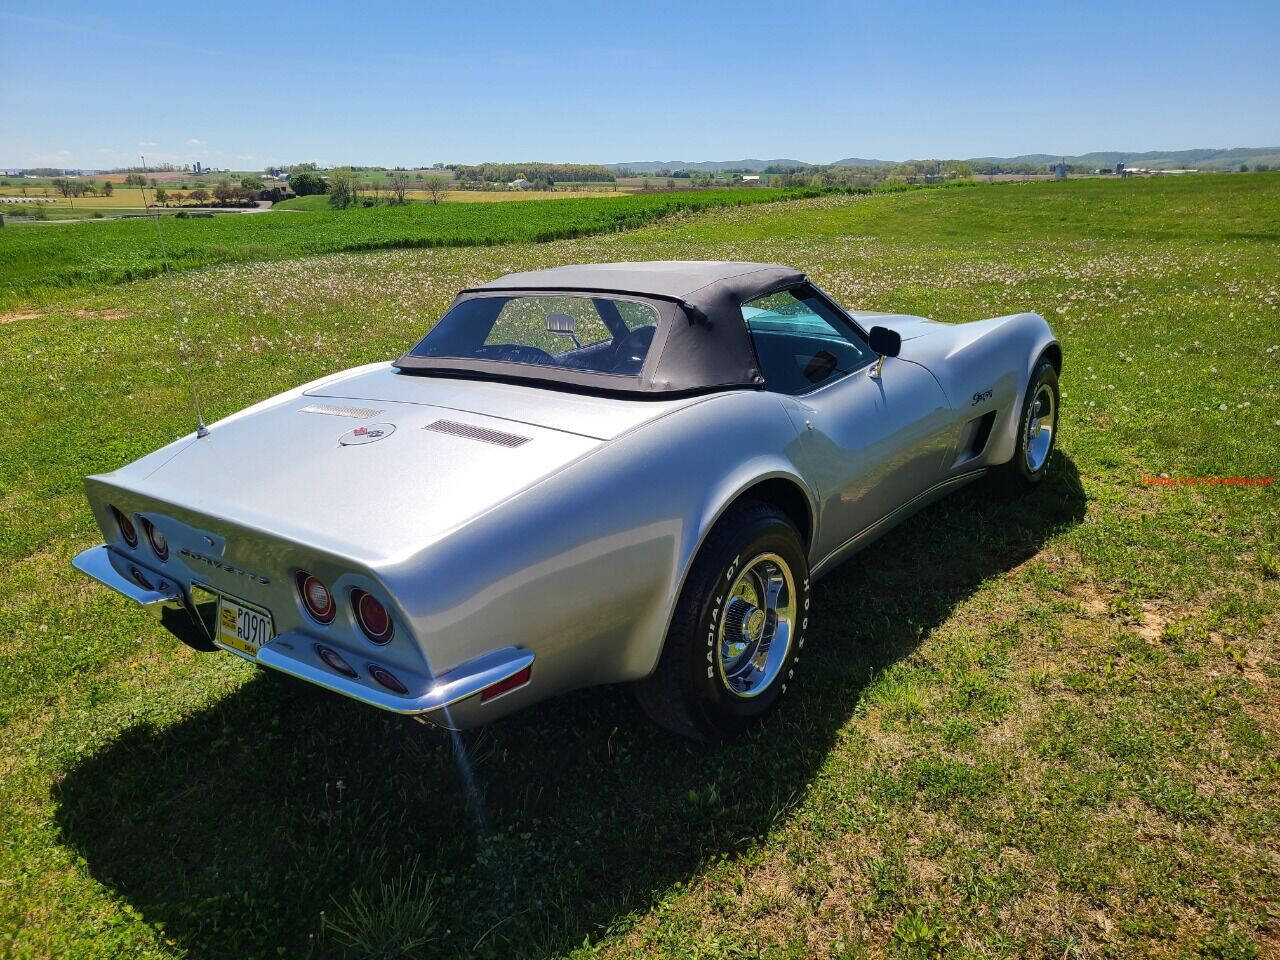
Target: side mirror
(886, 342)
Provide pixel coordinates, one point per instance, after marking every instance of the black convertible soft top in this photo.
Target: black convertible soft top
(701, 343)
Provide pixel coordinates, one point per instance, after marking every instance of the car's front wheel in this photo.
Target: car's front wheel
(738, 628)
(1037, 431)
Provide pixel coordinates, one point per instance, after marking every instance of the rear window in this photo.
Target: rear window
(593, 334)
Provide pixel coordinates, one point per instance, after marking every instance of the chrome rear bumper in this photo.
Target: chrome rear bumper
(294, 652)
(127, 578)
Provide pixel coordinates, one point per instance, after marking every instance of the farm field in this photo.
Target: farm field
(64, 211)
(498, 196)
(36, 261)
(123, 200)
(1030, 728)
(321, 201)
(120, 197)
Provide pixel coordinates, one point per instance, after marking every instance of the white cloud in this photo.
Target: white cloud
(193, 142)
(146, 143)
(59, 158)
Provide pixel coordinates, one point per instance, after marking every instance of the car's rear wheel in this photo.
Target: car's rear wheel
(1037, 430)
(739, 625)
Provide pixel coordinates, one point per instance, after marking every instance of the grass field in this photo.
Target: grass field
(1038, 728)
(321, 201)
(36, 261)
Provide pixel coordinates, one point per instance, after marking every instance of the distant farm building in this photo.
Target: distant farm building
(1060, 170)
(751, 178)
(520, 183)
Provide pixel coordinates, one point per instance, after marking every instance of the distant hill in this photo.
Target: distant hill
(1205, 158)
(859, 162)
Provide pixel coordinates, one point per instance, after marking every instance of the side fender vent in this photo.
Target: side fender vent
(467, 432)
(332, 410)
(982, 432)
(977, 434)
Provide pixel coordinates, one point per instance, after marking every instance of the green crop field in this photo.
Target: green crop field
(1045, 727)
(32, 259)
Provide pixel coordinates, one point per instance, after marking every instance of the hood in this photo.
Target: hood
(376, 464)
(906, 326)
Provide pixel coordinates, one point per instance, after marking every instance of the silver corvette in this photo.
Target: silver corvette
(590, 474)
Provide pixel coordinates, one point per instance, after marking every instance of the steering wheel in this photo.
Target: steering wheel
(630, 353)
(514, 353)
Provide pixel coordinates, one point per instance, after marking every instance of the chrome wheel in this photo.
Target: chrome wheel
(757, 626)
(1040, 424)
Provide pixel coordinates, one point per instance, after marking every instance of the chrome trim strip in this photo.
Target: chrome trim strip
(104, 565)
(333, 410)
(463, 681)
(917, 502)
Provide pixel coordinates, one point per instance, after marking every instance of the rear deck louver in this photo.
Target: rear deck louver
(333, 410)
(468, 432)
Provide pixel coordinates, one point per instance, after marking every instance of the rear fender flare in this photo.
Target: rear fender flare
(737, 487)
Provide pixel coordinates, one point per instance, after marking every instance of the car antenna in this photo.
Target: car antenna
(184, 355)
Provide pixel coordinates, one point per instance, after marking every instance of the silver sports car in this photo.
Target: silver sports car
(584, 475)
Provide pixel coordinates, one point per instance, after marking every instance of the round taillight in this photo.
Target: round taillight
(387, 679)
(372, 616)
(159, 545)
(127, 529)
(315, 597)
(334, 661)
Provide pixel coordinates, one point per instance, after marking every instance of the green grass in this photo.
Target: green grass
(1045, 727)
(35, 262)
(317, 201)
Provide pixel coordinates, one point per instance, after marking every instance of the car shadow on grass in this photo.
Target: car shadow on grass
(286, 819)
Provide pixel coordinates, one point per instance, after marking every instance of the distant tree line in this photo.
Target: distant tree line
(913, 171)
(811, 175)
(533, 172)
(152, 168)
(346, 187)
(990, 168)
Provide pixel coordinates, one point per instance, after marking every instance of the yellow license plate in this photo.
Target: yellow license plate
(242, 627)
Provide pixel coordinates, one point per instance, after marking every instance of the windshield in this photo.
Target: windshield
(592, 334)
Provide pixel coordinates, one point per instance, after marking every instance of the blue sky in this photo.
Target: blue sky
(243, 85)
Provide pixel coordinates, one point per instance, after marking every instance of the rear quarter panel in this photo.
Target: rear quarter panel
(585, 567)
